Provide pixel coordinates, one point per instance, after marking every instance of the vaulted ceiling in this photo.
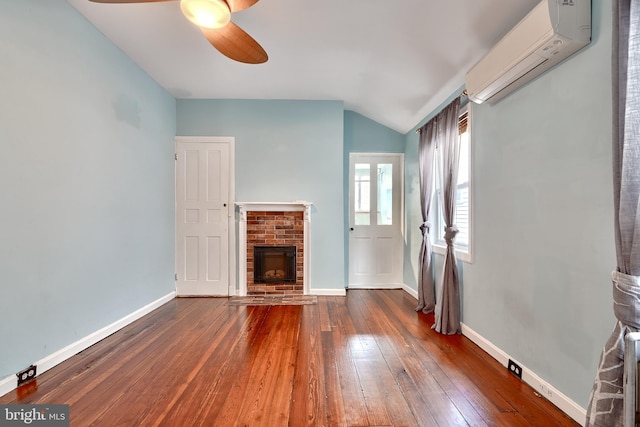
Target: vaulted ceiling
(391, 61)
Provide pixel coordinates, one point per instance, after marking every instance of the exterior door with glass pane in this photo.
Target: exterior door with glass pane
(375, 220)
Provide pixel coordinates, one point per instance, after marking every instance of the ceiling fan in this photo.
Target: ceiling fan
(214, 19)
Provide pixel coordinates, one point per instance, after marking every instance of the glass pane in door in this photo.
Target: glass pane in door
(385, 194)
(362, 196)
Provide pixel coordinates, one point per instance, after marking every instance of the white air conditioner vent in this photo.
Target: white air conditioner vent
(550, 33)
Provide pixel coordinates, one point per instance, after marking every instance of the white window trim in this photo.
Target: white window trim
(464, 255)
(439, 246)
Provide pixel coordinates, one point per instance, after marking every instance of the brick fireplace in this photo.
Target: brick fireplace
(274, 228)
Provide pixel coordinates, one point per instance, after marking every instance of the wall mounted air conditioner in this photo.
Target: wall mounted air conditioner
(551, 32)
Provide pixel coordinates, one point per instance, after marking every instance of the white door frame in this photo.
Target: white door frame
(231, 141)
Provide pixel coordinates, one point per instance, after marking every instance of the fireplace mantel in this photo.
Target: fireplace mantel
(294, 206)
(298, 205)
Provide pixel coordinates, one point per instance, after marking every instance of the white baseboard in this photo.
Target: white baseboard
(410, 291)
(374, 287)
(328, 292)
(565, 404)
(10, 383)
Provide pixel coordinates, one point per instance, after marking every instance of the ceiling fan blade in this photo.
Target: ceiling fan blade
(233, 42)
(236, 5)
(127, 1)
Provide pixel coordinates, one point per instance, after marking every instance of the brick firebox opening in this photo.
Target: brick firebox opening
(275, 228)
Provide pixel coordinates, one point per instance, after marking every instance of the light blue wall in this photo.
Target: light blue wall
(285, 150)
(539, 287)
(363, 135)
(86, 177)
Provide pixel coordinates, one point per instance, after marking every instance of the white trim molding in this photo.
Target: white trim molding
(329, 292)
(10, 383)
(377, 286)
(410, 290)
(542, 387)
(295, 206)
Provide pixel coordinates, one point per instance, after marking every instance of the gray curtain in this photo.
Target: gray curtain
(447, 313)
(606, 401)
(426, 284)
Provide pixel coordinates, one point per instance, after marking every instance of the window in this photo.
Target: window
(462, 218)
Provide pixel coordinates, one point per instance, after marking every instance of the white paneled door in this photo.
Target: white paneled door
(202, 217)
(375, 220)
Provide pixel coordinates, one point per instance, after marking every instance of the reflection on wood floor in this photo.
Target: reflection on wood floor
(365, 360)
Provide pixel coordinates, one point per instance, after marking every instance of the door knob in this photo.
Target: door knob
(351, 229)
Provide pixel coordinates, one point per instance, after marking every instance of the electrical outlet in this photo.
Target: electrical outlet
(26, 375)
(514, 368)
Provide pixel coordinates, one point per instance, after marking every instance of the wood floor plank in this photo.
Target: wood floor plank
(234, 378)
(411, 375)
(325, 320)
(108, 355)
(469, 370)
(138, 389)
(266, 400)
(201, 397)
(309, 394)
(445, 370)
(362, 360)
(394, 321)
(335, 410)
(386, 367)
(343, 332)
(103, 376)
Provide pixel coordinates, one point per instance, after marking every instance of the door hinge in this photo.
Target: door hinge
(176, 277)
(176, 156)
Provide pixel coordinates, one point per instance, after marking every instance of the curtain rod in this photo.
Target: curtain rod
(464, 93)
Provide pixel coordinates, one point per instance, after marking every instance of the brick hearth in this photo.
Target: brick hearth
(275, 228)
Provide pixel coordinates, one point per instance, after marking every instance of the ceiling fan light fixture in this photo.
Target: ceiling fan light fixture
(206, 13)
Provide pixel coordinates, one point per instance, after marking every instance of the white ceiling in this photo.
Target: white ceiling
(391, 61)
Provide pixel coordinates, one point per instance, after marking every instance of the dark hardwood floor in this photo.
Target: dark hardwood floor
(365, 360)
